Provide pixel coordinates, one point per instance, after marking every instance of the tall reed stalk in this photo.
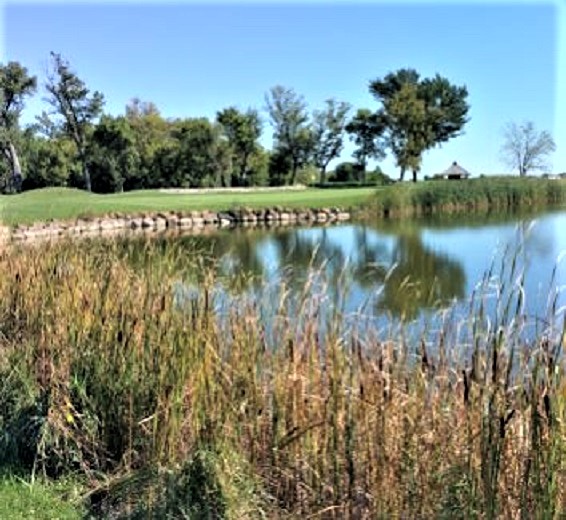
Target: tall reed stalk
(120, 366)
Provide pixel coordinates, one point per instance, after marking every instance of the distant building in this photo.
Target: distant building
(455, 172)
(553, 176)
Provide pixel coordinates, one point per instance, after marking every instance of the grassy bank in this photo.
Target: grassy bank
(22, 500)
(405, 199)
(66, 204)
(164, 404)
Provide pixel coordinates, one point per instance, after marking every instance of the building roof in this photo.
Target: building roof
(456, 169)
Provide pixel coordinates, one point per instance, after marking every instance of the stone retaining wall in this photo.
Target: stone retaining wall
(173, 220)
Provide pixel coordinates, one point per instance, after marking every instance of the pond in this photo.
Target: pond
(405, 270)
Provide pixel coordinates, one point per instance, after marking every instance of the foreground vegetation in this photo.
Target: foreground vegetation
(486, 194)
(21, 500)
(165, 400)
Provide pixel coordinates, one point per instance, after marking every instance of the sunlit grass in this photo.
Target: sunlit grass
(21, 500)
(65, 204)
(396, 200)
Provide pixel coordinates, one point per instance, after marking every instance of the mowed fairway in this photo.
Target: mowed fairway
(67, 204)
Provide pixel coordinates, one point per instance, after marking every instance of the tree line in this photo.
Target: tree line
(75, 143)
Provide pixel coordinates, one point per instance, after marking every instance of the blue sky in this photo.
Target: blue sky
(195, 59)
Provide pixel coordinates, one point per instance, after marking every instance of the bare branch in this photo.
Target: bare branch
(525, 149)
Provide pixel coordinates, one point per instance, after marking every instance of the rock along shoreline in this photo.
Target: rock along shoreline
(171, 221)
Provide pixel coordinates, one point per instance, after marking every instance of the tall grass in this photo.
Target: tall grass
(169, 405)
(493, 194)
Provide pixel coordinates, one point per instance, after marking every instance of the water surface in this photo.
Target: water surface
(398, 271)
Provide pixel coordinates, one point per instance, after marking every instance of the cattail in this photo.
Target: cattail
(547, 410)
(466, 388)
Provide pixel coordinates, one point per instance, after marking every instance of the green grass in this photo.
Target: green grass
(400, 199)
(20, 500)
(67, 204)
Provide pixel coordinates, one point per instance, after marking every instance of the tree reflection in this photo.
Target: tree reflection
(422, 279)
(395, 263)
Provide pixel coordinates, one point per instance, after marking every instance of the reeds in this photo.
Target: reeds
(106, 372)
(478, 195)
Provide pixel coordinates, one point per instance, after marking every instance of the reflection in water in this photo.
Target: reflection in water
(402, 269)
(422, 279)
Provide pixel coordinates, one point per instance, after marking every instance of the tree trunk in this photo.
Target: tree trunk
(363, 173)
(402, 174)
(242, 173)
(363, 165)
(16, 180)
(294, 169)
(323, 175)
(86, 173)
(415, 175)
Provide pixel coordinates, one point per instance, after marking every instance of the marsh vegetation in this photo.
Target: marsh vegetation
(215, 403)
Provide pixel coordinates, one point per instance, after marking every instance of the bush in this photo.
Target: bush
(379, 178)
(346, 172)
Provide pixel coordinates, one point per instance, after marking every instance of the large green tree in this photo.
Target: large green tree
(366, 131)
(151, 132)
(70, 98)
(328, 129)
(409, 133)
(292, 134)
(114, 160)
(242, 129)
(15, 85)
(418, 114)
(49, 161)
(195, 156)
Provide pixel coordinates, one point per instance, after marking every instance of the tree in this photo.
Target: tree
(15, 85)
(328, 129)
(258, 168)
(242, 131)
(279, 167)
(446, 107)
(70, 99)
(48, 161)
(346, 172)
(195, 156)
(136, 109)
(436, 112)
(526, 149)
(409, 131)
(150, 132)
(289, 118)
(113, 157)
(366, 130)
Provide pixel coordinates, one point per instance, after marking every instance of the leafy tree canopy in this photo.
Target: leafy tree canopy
(418, 114)
(15, 85)
(69, 97)
(291, 131)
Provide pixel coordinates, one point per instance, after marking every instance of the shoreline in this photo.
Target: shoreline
(170, 221)
(73, 213)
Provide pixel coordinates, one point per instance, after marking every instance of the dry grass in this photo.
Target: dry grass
(104, 372)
